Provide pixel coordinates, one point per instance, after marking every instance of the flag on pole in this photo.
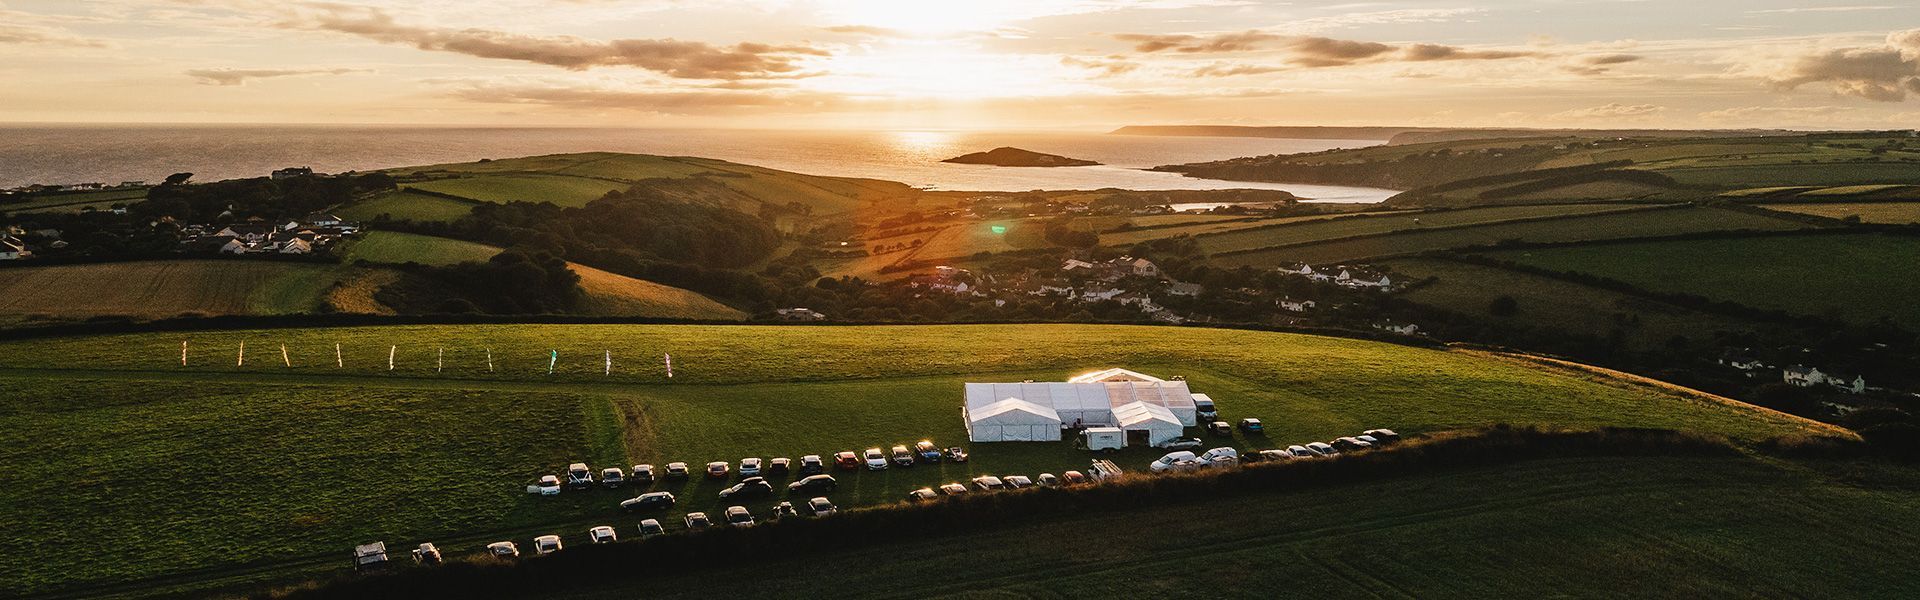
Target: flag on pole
(390, 352)
(283, 356)
(669, 365)
(553, 358)
(337, 361)
(242, 361)
(440, 360)
(609, 363)
(183, 353)
(489, 360)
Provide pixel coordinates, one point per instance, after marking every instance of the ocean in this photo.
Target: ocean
(65, 154)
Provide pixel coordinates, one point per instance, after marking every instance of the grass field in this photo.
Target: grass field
(1822, 174)
(1897, 213)
(158, 289)
(100, 200)
(561, 190)
(1562, 528)
(408, 206)
(1860, 278)
(312, 459)
(1594, 227)
(1386, 223)
(607, 294)
(1551, 303)
(1212, 226)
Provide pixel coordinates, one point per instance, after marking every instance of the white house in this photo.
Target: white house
(1184, 289)
(235, 246)
(1072, 264)
(1093, 295)
(1298, 307)
(296, 246)
(1803, 376)
(1144, 268)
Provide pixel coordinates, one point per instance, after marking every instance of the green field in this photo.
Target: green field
(74, 202)
(271, 470)
(561, 190)
(1641, 223)
(1552, 304)
(1558, 528)
(164, 288)
(1774, 174)
(1387, 223)
(1210, 226)
(408, 206)
(1860, 278)
(1896, 213)
(396, 247)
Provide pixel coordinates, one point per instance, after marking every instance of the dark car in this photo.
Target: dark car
(651, 528)
(643, 475)
(957, 454)
(821, 507)
(927, 451)
(751, 487)
(676, 470)
(1386, 436)
(901, 456)
(1185, 443)
(813, 484)
(812, 465)
(698, 521)
(1252, 426)
(1347, 444)
(779, 466)
(648, 501)
(1220, 428)
(782, 511)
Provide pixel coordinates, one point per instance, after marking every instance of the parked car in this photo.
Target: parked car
(1219, 428)
(1185, 443)
(648, 501)
(988, 483)
(783, 510)
(1175, 461)
(957, 454)
(1047, 480)
(1384, 435)
(813, 484)
(953, 489)
(847, 461)
(579, 477)
(927, 451)
(1349, 444)
(779, 466)
(717, 469)
(812, 465)
(698, 521)
(1274, 455)
(503, 550)
(369, 557)
(1072, 478)
(922, 495)
(738, 516)
(1299, 451)
(876, 460)
(1015, 482)
(751, 487)
(676, 470)
(547, 544)
(821, 507)
(1370, 440)
(602, 535)
(549, 485)
(1322, 449)
(426, 554)
(1222, 456)
(643, 475)
(1252, 426)
(901, 456)
(750, 467)
(650, 528)
(612, 477)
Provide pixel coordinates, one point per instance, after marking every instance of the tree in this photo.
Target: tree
(1504, 306)
(178, 179)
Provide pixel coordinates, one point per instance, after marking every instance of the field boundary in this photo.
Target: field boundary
(1364, 236)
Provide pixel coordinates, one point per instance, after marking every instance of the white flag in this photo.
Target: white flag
(243, 355)
(390, 353)
(283, 355)
(183, 353)
(337, 361)
(669, 365)
(609, 363)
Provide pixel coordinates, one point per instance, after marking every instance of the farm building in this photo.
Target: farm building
(1148, 407)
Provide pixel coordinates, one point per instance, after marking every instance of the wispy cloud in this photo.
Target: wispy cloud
(1886, 73)
(1612, 111)
(242, 76)
(1311, 51)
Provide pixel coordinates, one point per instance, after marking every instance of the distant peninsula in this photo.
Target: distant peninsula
(1015, 157)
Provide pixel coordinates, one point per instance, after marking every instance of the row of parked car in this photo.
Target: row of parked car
(580, 477)
(733, 516)
(1186, 460)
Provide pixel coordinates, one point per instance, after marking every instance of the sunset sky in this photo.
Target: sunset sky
(977, 64)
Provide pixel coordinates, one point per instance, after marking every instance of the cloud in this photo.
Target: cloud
(242, 76)
(21, 33)
(1221, 69)
(868, 30)
(675, 58)
(1106, 67)
(1600, 64)
(1887, 73)
(1611, 110)
(1774, 114)
(669, 101)
(1808, 9)
(1310, 51)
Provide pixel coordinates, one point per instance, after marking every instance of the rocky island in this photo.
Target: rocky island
(1015, 157)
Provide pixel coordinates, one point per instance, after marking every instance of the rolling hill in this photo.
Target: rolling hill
(315, 457)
